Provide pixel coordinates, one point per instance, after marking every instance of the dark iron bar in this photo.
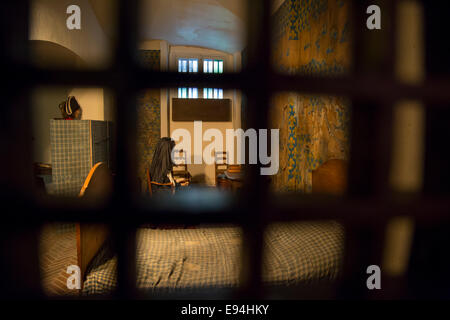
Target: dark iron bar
(371, 135)
(371, 87)
(255, 197)
(124, 235)
(279, 208)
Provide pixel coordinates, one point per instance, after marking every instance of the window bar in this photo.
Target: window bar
(123, 232)
(358, 241)
(18, 240)
(384, 140)
(256, 188)
(371, 136)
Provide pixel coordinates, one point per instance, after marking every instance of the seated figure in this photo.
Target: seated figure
(160, 173)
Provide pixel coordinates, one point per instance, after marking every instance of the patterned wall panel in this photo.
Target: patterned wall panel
(310, 37)
(149, 116)
(101, 142)
(150, 59)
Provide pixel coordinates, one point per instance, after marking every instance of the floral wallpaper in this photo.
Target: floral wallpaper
(310, 37)
(149, 117)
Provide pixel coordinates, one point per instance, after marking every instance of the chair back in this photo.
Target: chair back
(180, 169)
(98, 183)
(220, 163)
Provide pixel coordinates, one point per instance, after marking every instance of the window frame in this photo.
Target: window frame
(200, 58)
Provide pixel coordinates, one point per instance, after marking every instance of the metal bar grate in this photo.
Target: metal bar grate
(364, 211)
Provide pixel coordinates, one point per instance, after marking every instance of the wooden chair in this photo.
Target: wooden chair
(234, 178)
(90, 237)
(98, 184)
(220, 163)
(234, 168)
(180, 170)
(150, 183)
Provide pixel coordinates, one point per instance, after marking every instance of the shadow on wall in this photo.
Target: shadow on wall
(50, 55)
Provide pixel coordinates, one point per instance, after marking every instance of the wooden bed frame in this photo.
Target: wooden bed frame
(90, 237)
(329, 178)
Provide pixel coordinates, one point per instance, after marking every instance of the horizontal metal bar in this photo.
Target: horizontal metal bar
(359, 211)
(280, 208)
(366, 87)
(137, 78)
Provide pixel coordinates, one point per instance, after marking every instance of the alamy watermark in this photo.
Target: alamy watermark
(374, 280)
(374, 20)
(73, 22)
(74, 280)
(235, 142)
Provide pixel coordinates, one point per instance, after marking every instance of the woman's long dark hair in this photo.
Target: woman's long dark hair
(162, 161)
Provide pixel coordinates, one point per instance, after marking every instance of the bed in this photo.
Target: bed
(169, 260)
(210, 257)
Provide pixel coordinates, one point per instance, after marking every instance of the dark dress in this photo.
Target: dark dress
(162, 164)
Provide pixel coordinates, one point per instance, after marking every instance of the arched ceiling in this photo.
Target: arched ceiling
(215, 24)
(206, 23)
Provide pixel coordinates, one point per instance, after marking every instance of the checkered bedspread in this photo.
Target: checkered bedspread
(210, 256)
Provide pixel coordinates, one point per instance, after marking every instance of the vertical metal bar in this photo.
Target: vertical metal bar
(371, 137)
(384, 140)
(426, 276)
(19, 264)
(124, 86)
(384, 115)
(256, 191)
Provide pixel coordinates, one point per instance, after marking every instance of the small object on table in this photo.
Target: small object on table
(232, 179)
(42, 169)
(182, 181)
